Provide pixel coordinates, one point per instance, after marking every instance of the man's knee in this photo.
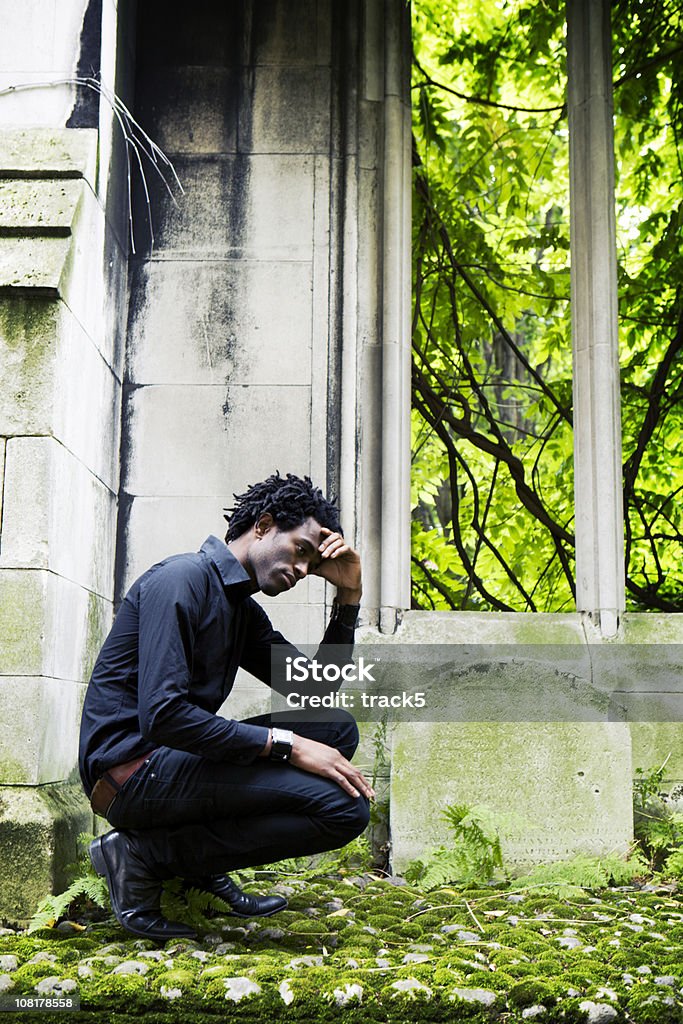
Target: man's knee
(347, 735)
(352, 819)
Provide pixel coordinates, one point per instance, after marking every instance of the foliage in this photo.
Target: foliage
(658, 828)
(85, 885)
(568, 879)
(492, 487)
(474, 856)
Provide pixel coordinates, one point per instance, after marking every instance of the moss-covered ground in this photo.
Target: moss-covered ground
(369, 949)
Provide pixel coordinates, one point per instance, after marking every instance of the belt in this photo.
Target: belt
(106, 788)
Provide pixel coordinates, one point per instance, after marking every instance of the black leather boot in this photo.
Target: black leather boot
(242, 904)
(133, 889)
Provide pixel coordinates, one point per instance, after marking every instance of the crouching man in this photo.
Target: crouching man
(193, 794)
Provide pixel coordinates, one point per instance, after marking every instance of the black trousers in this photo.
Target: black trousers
(189, 816)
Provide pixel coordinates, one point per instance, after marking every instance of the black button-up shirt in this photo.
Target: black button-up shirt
(170, 660)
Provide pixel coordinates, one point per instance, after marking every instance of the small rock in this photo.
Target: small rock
(222, 948)
(311, 911)
(69, 927)
(7, 931)
(357, 880)
(606, 993)
(475, 995)
(665, 979)
(213, 939)
(5, 982)
(284, 890)
(8, 962)
(643, 969)
(421, 947)
(598, 1013)
(639, 919)
(627, 978)
(131, 967)
(202, 955)
(170, 993)
(515, 897)
(448, 928)
(352, 963)
(634, 927)
(308, 960)
(85, 971)
(382, 961)
(512, 919)
(286, 994)
(569, 941)
(272, 934)
(240, 988)
(54, 986)
(412, 987)
(43, 958)
(335, 904)
(573, 993)
(345, 995)
(369, 929)
(395, 880)
(415, 958)
(534, 1011)
(152, 954)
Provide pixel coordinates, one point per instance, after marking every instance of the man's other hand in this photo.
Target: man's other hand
(319, 759)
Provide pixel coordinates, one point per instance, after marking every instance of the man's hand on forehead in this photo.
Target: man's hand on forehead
(339, 562)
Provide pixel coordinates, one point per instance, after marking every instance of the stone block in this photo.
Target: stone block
(286, 111)
(209, 323)
(290, 34)
(37, 263)
(189, 109)
(559, 788)
(48, 492)
(22, 621)
(39, 207)
(41, 718)
(239, 444)
(29, 329)
(48, 152)
(209, 35)
(49, 626)
(257, 207)
(54, 381)
(38, 831)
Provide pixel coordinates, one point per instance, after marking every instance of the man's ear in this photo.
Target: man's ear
(263, 524)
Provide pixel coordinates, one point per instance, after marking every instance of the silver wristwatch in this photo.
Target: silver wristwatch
(281, 746)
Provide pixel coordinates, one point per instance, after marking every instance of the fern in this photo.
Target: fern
(86, 883)
(570, 878)
(475, 854)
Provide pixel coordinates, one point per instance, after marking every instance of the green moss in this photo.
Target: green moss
(533, 991)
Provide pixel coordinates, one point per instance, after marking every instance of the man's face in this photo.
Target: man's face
(278, 559)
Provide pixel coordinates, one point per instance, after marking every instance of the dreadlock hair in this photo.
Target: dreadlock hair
(289, 500)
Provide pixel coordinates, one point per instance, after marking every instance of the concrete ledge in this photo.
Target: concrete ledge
(48, 153)
(38, 831)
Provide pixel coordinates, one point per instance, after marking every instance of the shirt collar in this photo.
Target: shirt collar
(232, 573)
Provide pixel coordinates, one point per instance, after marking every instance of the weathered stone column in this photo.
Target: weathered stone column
(597, 423)
(62, 261)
